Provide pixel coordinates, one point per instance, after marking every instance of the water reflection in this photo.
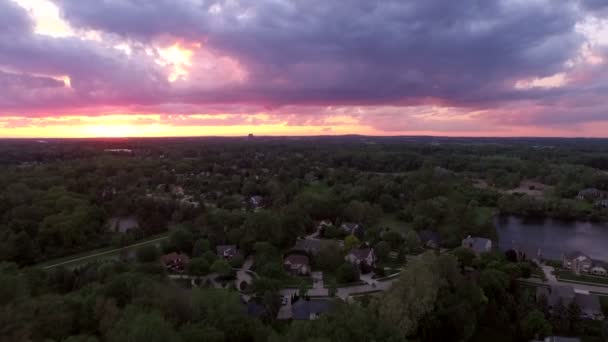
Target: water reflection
(552, 237)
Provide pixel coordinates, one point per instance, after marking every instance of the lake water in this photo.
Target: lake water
(553, 237)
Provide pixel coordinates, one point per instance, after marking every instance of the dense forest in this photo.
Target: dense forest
(67, 197)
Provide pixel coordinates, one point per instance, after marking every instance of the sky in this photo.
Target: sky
(114, 68)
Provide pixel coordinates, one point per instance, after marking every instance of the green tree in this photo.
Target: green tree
(329, 258)
(535, 326)
(147, 253)
(465, 256)
(351, 242)
(332, 290)
(200, 332)
(382, 250)
(200, 247)
(237, 261)
(412, 296)
(347, 273)
(221, 267)
(411, 241)
(143, 327)
(198, 266)
(12, 286)
(302, 289)
(393, 238)
(181, 239)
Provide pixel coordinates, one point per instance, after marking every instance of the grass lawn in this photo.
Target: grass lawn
(393, 223)
(537, 272)
(567, 275)
(554, 263)
(294, 282)
(485, 214)
(330, 278)
(319, 188)
(604, 304)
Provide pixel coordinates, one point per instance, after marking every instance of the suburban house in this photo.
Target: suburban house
(429, 238)
(324, 224)
(565, 294)
(175, 262)
(477, 244)
(590, 194)
(559, 339)
(579, 263)
(350, 228)
(256, 201)
(602, 203)
(313, 246)
(227, 251)
(123, 224)
(362, 256)
(310, 309)
(297, 264)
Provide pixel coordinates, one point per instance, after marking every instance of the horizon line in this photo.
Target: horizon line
(305, 136)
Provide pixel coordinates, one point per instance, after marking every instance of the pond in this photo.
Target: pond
(552, 237)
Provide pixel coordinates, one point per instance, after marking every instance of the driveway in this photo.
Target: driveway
(317, 280)
(548, 270)
(243, 274)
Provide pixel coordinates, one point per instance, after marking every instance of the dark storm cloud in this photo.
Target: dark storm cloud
(13, 19)
(309, 54)
(328, 52)
(595, 5)
(31, 64)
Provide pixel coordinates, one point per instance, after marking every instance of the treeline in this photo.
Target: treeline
(56, 197)
(436, 298)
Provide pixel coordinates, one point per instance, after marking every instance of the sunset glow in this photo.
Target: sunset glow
(78, 69)
(178, 59)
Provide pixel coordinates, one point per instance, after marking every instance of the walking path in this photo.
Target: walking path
(96, 255)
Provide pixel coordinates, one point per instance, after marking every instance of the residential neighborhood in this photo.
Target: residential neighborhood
(240, 237)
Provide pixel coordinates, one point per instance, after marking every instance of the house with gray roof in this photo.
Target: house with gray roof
(296, 264)
(477, 244)
(579, 263)
(565, 295)
(350, 228)
(123, 224)
(361, 256)
(559, 339)
(590, 194)
(227, 251)
(429, 238)
(310, 309)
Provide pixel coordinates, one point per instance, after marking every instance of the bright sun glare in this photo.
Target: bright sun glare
(178, 59)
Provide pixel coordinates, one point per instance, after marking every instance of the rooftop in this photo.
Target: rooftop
(310, 309)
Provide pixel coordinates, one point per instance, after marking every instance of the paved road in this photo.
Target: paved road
(577, 287)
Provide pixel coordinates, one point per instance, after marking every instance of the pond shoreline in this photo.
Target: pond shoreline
(552, 237)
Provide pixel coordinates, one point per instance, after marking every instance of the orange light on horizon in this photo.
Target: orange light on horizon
(119, 126)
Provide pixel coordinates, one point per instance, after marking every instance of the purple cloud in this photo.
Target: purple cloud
(291, 58)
